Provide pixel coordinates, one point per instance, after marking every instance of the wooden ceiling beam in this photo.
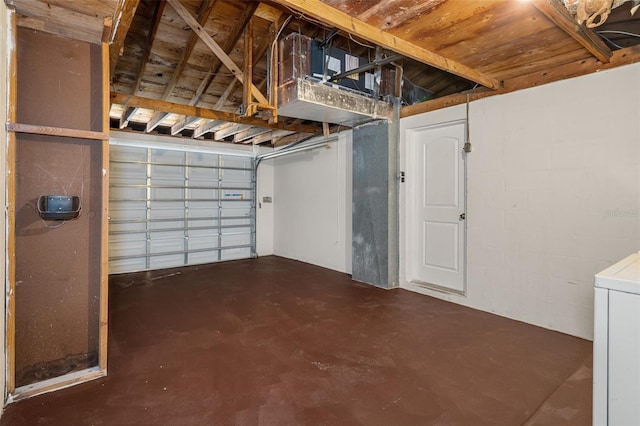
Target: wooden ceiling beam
(155, 23)
(228, 45)
(215, 47)
(170, 107)
(560, 16)
(336, 18)
(122, 18)
(182, 124)
(203, 16)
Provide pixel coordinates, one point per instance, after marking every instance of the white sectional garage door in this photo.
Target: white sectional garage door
(174, 208)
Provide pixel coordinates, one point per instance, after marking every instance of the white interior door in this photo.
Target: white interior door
(437, 206)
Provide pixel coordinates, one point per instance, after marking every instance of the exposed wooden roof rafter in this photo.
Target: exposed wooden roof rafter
(203, 17)
(334, 17)
(155, 23)
(559, 15)
(122, 18)
(215, 47)
(188, 110)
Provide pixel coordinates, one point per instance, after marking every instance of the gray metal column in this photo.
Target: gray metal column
(375, 204)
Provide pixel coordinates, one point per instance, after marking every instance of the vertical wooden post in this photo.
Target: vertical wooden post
(11, 210)
(104, 237)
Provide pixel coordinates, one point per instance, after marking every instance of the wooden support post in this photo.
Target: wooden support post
(104, 228)
(10, 341)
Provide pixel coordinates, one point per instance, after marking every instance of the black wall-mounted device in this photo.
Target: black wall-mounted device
(59, 207)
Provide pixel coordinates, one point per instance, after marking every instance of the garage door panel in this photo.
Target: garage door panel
(173, 208)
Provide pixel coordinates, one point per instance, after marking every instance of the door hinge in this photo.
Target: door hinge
(463, 216)
(401, 177)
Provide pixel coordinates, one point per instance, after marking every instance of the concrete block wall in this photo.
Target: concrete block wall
(553, 196)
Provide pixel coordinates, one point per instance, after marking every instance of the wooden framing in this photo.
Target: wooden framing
(104, 229)
(559, 15)
(13, 128)
(155, 104)
(336, 18)
(215, 48)
(10, 342)
(122, 18)
(157, 16)
(56, 131)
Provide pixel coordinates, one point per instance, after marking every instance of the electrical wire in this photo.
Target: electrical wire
(361, 44)
(608, 40)
(626, 33)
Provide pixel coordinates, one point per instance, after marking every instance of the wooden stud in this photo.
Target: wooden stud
(336, 18)
(56, 131)
(158, 105)
(122, 18)
(215, 47)
(104, 224)
(10, 342)
(559, 15)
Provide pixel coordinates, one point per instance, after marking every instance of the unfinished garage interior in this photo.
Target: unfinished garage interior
(234, 212)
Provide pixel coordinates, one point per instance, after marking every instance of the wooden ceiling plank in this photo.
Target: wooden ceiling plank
(203, 17)
(155, 23)
(559, 15)
(334, 17)
(620, 57)
(228, 45)
(159, 105)
(268, 13)
(215, 47)
(227, 92)
(122, 18)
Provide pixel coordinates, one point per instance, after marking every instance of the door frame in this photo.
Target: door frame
(407, 188)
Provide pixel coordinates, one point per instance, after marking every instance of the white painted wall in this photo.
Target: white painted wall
(312, 205)
(264, 212)
(553, 196)
(5, 36)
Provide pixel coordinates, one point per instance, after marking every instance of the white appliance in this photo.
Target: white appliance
(616, 344)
